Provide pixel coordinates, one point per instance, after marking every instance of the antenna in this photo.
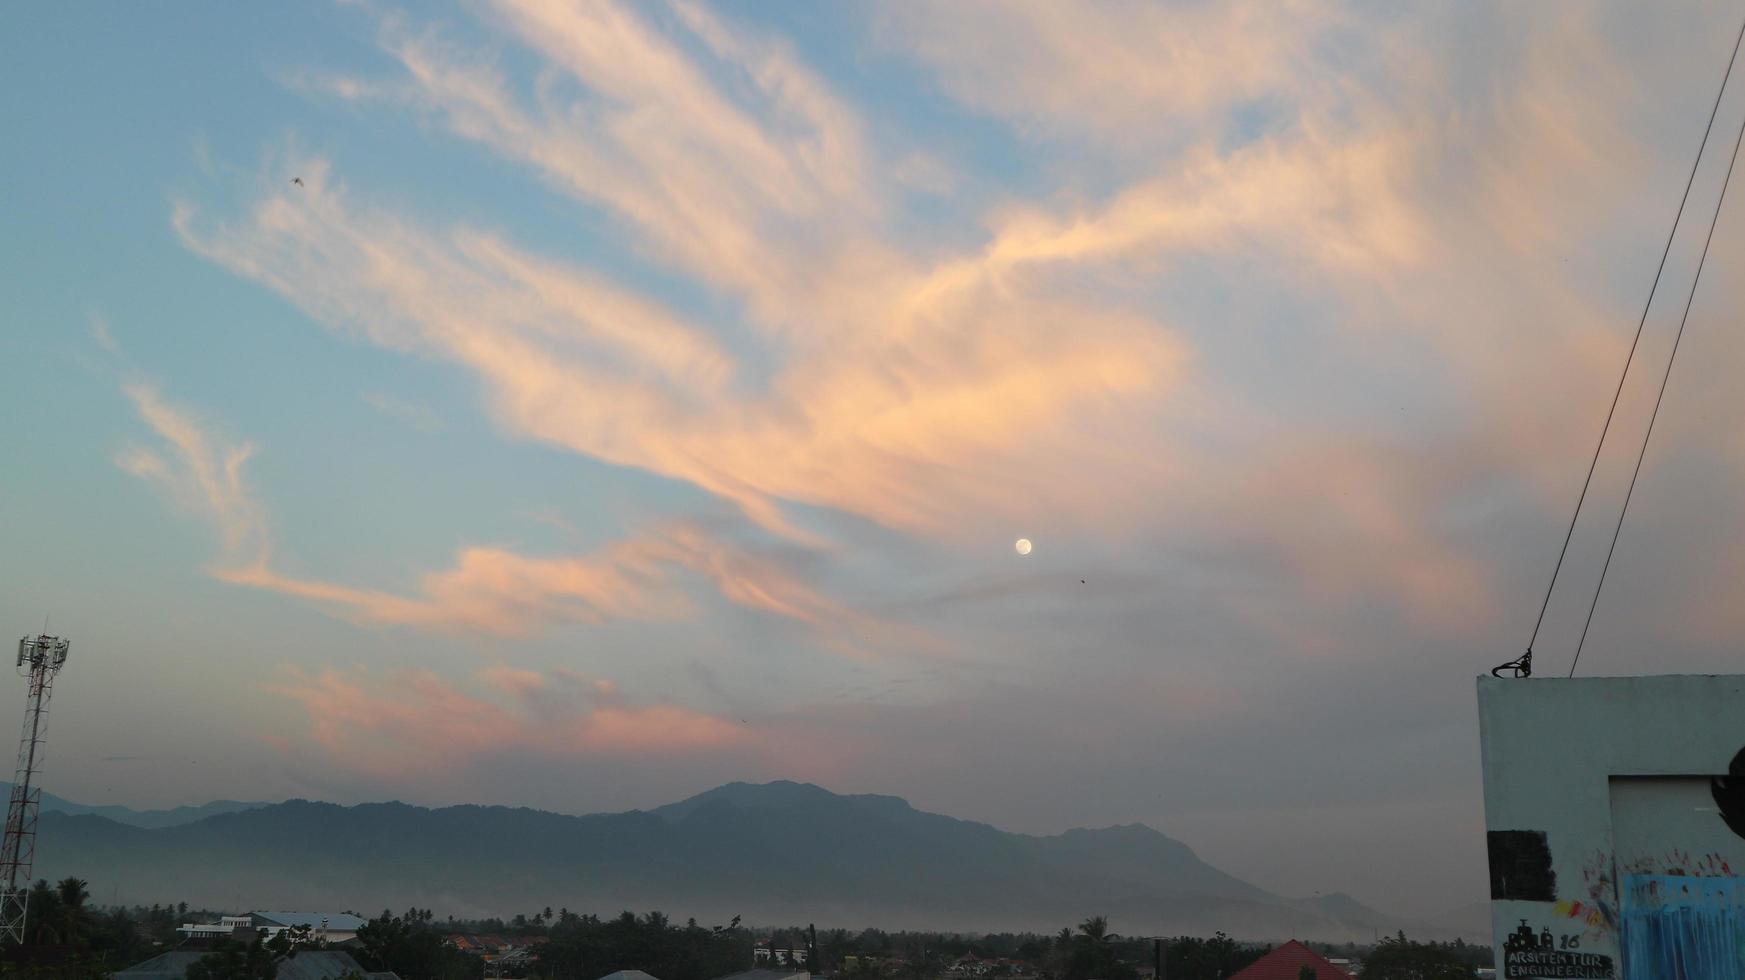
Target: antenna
(39, 658)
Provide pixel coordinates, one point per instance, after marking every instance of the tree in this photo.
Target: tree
(1399, 958)
(1306, 972)
(43, 917)
(287, 940)
(1090, 953)
(72, 894)
(410, 946)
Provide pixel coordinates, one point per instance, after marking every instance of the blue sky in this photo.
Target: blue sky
(627, 399)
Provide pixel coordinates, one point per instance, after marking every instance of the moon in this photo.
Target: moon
(1022, 546)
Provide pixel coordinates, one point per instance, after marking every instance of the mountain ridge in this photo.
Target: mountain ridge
(149, 819)
(773, 853)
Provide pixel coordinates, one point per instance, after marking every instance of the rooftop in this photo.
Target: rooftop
(1286, 963)
(341, 921)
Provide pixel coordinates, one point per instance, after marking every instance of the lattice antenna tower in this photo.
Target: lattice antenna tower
(39, 658)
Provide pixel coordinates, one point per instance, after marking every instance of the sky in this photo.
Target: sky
(583, 404)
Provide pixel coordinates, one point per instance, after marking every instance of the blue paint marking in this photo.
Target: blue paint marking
(1677, 927)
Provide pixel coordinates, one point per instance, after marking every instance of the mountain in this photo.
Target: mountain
(775, 853)
(149, 819)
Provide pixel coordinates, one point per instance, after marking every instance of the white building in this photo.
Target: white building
(224, 928)
(1615, 819)
(331, 927)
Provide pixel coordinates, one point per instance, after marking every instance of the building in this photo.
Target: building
(330, 927)
(227, 927)
(1287, 962)
(764, 953)
(1615, 825)
(310, 964)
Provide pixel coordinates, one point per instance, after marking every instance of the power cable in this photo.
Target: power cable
(1664, 378)
(1523, 665)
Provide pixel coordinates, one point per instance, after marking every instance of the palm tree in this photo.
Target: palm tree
(1095, 931)
(75, 918)
(1092, 951)
(42, 917)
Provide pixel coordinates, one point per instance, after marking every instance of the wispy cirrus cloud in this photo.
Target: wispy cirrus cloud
(201, 471)
(900, 422)
(932, 394)
(1112, 72)
(490, 590)
(941, 394)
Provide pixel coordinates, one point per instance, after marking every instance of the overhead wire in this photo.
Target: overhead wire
(1661, 396)
(1523, 665)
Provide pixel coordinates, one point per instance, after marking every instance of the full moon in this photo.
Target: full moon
(1022, 546)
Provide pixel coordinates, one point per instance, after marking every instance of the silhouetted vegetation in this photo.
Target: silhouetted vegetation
(68, 939)
(586, 946)
(1399, 958)
(411, 946)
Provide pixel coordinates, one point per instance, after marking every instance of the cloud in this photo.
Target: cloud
(420, 417)
(201, 473)
(101, 335)
(490, 590)
(1067, 369)
(1113, 71)
(415, 722)
(900, 425)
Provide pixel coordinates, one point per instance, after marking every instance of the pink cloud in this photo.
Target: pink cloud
(205, 476)
(492, 590)
(1035, 374)
(415, 722)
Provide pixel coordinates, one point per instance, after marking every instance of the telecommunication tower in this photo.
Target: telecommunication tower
(40, 659)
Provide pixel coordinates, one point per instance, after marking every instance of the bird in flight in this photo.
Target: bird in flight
(297, 180)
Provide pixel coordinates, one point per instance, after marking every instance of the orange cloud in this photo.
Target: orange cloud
(416, 722)
(492, 590)
(495, 591)
(1111, 71)
(1049, 371)
(205, 476)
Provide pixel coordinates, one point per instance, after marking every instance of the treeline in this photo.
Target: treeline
(69, 939)
(66, 936)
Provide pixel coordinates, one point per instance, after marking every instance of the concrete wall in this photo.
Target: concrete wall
(1615, 812)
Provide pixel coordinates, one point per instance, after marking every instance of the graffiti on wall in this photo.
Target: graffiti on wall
(1683, 926)
(1679, 863)
(1529, 955)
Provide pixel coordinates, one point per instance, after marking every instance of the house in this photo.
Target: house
(333, 927)
(227, 927)
(309, 964)
(765, 953)
(1287, 962)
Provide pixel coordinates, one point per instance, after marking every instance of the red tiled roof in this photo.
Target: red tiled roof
(1286, 963)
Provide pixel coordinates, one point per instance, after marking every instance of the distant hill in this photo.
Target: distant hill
(777, 853)
(149, 819)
